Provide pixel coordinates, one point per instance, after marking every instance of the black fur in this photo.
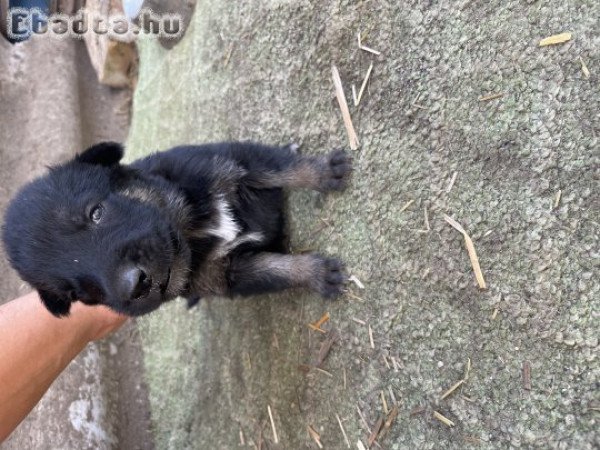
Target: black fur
(192, 221)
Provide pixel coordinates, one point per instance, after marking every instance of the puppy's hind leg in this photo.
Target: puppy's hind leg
(321, 173)
(258, 273)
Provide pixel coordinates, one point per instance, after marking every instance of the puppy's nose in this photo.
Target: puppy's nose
(135, 283)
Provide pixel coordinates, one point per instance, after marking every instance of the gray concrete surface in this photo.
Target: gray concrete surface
(51, 106)
(262, 72)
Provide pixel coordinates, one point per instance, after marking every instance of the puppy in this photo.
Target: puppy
(192, 221)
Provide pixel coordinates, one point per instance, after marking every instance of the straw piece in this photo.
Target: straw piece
(452, 180)
(470, 250)
(325, 348)
(343, 431)
(467, 369)
(317, 325)
(341, 98)
(388, 422)
(365, 48)
(384, 403)
(354, 96)
(275, 438)
(356, 281)
(355, 296)
(329, 374)
(391, 417)
(314, 435)
(584, 68)
(556, 39)
(362, 322)
(370, 50)
(486, 98)
(315, 328)
(371, 337)
(360, 445)
(375, 432)
(557, 198)
(392, 396)
(452, 389)
(364, 84)
(228, 57)
(443, 419)
(362, 418)
(406, 205)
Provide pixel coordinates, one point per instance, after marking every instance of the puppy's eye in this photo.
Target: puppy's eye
(96, 213)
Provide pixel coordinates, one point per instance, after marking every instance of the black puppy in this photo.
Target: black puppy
(192, 221)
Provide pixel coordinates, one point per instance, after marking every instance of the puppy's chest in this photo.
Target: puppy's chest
(228, 230)
(210, 277)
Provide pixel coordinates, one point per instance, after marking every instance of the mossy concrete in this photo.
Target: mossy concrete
(263, 72)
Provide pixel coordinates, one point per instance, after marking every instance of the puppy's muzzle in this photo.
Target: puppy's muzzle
(134, 283)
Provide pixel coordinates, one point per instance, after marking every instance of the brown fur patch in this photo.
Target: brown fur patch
(300, 270)
(307, 173)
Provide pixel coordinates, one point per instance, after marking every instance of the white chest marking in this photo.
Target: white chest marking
(227, 229)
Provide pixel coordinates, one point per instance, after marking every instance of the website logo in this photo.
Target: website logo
(24, 22)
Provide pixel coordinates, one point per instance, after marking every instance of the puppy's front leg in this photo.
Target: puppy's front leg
(258, 273)
(320, 173)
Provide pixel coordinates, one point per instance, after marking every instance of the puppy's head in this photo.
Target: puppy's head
(96, 231)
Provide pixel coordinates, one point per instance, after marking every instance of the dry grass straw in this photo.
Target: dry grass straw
(556, 39)
(343, 431)
(471, 250)
(384, 403)
(406, 205)
(557, 198)
(486, 98)
(451, 184)
(362, 418)
(364, 85)
(584, 69)
(375, 432)
(367, 49)
(443, 419)
(326, 348)
(275, 438)
(313, 434)
(356, 281)
(459, 383)
(317, 325)
(341, 98)
(371, 337)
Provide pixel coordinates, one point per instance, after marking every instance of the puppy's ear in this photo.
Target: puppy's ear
(59, 306)
(104, 154)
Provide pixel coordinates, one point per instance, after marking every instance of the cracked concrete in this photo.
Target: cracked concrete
(262, 72)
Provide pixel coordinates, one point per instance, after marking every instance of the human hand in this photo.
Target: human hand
(98, 321)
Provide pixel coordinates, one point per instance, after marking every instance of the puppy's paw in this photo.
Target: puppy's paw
(329, 277)
(337, 170)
